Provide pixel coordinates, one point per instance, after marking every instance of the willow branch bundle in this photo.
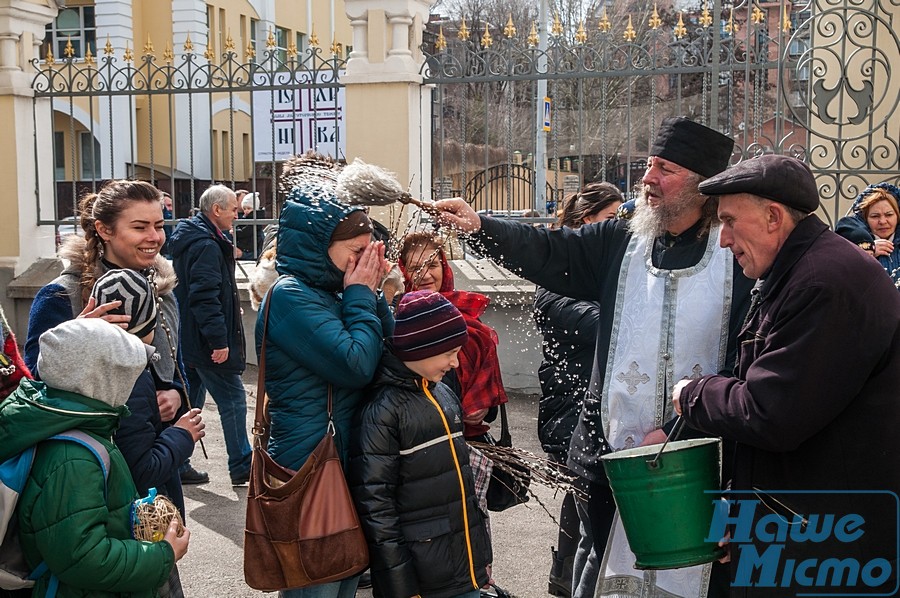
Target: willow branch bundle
(310, 169)
(516, 461)
(365, 184)
(151, 519)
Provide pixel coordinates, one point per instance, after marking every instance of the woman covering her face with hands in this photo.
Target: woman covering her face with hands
(327, 324)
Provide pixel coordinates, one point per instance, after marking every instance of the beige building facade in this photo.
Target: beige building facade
(158, 109)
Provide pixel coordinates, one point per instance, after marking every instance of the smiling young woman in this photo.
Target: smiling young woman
(123, 228)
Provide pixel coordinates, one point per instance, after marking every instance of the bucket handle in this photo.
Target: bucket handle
(673, 434)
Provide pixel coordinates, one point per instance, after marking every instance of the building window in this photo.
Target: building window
(90, 156)
(302, 44)
(59, 156)
(223, 32)
(74, 24)
(254, 25)
(281, 42)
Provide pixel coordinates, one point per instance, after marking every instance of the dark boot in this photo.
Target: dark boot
(560, 581)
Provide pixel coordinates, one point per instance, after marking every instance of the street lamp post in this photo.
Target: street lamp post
(540, 142)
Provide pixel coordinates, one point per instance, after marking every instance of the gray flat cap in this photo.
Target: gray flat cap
(779, 178)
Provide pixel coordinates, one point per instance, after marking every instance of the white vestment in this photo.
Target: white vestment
(668, 325)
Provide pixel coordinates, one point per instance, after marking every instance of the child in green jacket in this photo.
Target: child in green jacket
(71, 516)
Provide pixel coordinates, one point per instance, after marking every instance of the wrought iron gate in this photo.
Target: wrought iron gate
(810, 79)
(184, 122)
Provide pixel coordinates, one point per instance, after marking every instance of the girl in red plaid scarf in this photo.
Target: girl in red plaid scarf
(12, 368)
(425, 268)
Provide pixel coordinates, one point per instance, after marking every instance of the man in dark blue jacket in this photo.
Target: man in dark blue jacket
(212, 335)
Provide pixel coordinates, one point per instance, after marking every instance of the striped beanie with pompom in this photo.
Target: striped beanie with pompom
(134, 291)
(426, 324)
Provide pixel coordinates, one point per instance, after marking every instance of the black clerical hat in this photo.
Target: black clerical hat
(693, 146)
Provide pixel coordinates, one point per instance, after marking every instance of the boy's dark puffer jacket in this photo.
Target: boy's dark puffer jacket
(407, 482)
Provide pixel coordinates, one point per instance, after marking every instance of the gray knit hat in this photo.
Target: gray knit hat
(93, 358)
(134, 291)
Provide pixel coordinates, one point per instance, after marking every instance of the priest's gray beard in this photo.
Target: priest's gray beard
(649, 223)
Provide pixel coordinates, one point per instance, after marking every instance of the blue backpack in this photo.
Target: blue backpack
(14, 572)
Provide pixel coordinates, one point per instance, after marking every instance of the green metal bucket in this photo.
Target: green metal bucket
(664, 504)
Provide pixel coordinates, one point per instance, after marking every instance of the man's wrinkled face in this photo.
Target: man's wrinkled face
(749, 231)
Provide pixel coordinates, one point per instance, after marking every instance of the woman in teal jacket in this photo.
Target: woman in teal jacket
(327, 325)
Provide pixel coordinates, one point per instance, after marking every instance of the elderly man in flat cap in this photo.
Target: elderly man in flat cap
(813, 406)
(672, 302)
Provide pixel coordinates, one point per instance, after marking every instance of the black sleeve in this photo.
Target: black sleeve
(854, 230)
(569, 262)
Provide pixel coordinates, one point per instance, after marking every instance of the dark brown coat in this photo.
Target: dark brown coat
(815, 404)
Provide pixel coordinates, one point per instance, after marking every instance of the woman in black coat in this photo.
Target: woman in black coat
(569, 327)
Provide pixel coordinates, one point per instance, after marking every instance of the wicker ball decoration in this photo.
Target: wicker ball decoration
(152, 519)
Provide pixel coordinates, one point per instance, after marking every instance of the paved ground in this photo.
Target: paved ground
(213, 566)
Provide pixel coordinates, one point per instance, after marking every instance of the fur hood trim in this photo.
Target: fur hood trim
(71, 251)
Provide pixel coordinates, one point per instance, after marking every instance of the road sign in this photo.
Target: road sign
(546, 114)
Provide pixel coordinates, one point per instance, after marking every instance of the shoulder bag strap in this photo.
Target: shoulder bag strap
(505, 436)
(261, 419)
(330, 419)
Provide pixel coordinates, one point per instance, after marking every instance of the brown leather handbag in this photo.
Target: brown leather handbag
(302, 528)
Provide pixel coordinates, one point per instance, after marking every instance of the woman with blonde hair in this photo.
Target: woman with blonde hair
(873, 226)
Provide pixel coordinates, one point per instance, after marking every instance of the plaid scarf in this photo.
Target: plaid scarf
(479, 365)
(12, 368)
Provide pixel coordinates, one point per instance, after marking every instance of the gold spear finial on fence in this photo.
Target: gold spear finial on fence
(630, 34)
(786, 21)
(128, 56)
(313, 38)
(757, 16)
(229, 42)
(270, 40)
(108, 48)
(510, 29)
(292, 51)
(89, 57)
(731, 27)
(69, 51)
(463, 33)
(209, 54)
(680, 30)
(604, 25)
(188, 44)
(705, 17)
(148, 47)
(581, 34)
(49, 59)
(336, 47)
(654, 21)
(533, 38)
(168, 55)
(486, 40)
(441, 43)
(557, 27)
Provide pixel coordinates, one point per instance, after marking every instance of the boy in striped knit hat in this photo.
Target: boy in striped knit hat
(409, 471)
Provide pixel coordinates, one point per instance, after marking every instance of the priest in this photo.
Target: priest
(672, 303)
